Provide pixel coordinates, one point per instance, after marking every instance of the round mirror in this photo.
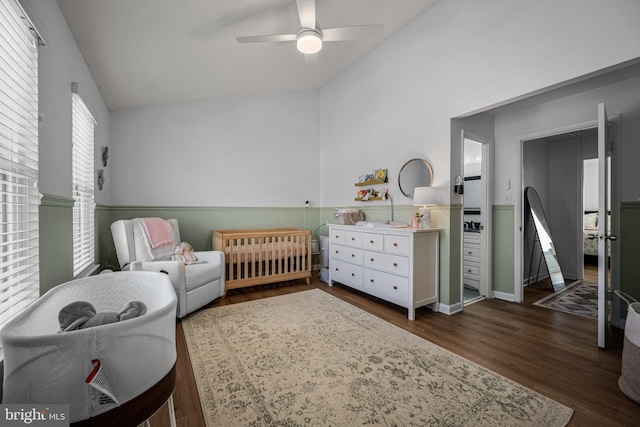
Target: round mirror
(414, 173)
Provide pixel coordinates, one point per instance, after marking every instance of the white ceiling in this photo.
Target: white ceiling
(154, 52)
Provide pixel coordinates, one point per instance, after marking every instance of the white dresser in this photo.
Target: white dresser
(398, 265)
(471, 260)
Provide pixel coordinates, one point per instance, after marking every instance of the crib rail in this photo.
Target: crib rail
(261, 256)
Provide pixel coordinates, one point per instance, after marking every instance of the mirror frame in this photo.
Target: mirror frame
(412, 189)
(537, 216)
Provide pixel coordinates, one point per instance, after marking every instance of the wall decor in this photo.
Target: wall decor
(105, 156)
(414, 173)
(100, 178)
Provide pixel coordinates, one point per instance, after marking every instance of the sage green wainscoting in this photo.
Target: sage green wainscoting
(56, 241)
(196, 223)
(104, 242)
(449, 219)
(630, 249)
(502, 241)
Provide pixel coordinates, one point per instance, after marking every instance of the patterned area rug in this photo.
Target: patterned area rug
(579, 298)
(309, 359)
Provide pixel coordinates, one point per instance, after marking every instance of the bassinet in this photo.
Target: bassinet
(44, 366)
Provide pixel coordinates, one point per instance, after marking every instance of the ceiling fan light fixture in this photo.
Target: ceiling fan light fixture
(309, 41)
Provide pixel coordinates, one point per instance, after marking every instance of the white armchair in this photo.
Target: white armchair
(195, 284)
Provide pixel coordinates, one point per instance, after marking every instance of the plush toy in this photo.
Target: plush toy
(184, 253)
(81, 315)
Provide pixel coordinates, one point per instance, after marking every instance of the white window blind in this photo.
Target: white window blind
(83, 165)
(19, 196)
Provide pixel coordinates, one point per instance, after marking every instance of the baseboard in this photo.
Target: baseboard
(450, 309)
(504, 296)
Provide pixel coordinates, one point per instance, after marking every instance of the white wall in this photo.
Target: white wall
(258, 151)
(61, 63)
(457, 57)
(620, 98)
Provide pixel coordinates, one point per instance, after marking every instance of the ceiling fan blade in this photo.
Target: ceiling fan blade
(352, 33)
(271, 38)
(307, 13)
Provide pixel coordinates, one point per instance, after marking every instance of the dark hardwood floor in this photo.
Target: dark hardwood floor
(551, 352)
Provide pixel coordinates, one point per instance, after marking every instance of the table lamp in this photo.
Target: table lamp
(424, 196)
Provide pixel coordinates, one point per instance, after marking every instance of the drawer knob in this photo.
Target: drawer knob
(395, 287)
(395, 264)
(337, 269)
(371, 280)
(337, 237)
(353, 274)
(353, 238)
(337, 251)
(353, 255)
(371, 259)
(371, 241)
(395, 245)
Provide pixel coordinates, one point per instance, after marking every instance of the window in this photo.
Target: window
(82, 166)
(19, 196)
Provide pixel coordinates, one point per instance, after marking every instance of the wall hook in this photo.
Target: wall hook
(100, 178)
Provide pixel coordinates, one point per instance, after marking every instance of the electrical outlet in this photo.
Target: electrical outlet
(507, 184)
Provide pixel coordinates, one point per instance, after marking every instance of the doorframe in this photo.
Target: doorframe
(485, 215)
(518, 200)
(615, 120)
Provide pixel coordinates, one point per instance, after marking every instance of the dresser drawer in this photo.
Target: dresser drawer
(338, 236)
(387, 286)
(471, 238)
(472, 282)
(394, 264)
(469, 269)
(471, 251)
(346, 254)
(373, 241)
(395, 244)
(353, 238)
(345, 273)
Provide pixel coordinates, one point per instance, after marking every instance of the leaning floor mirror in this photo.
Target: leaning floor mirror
(543, 238)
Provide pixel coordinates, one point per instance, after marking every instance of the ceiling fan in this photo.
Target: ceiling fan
(309, 37)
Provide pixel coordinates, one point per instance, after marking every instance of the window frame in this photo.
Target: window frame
(19, 194)
(83, 188)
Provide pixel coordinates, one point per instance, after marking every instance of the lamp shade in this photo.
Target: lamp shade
(423, 196)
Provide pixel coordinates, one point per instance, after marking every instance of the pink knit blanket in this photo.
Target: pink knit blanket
(158, 231)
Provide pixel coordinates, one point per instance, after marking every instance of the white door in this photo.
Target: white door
(604, 224)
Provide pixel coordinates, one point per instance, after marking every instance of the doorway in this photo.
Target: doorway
(554, 166)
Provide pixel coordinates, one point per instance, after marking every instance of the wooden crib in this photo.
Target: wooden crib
(260, 256)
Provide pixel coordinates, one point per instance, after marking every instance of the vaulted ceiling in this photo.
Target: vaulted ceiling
(154, 52)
